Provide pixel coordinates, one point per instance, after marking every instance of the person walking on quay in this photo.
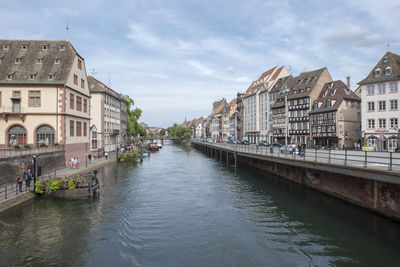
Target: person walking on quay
(106, 155)
(257, 144)
(28, 179)
(71, 163)
(20, 180)
(90, 158)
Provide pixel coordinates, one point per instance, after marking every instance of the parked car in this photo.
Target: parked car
(220, 141)
(276, 144)
(244, 142)
(229, 141)
(263, 143)
(289, 149)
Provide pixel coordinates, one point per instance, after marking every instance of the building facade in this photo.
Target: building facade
(304, 90)
(124, 120)
(336, 117)
(44, 96)
(107, 117)
(379, 104)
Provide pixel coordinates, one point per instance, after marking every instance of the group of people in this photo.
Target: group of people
(357, 146)
(74, 163)
(27, 177)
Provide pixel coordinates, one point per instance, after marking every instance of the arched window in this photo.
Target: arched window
(44, 136)
(16, 136)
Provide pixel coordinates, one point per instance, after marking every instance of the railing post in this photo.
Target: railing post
(304, 154)
(390, 162)
(329, 158)
(365, 159)
(345, 156)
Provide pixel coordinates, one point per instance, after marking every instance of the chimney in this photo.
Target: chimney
(348, 82)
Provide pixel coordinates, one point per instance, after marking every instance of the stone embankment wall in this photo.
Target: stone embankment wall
(11, 168)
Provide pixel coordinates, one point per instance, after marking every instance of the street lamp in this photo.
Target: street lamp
(285, 91)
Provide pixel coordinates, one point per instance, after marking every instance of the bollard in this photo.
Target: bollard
(365, 159)
(390, 162)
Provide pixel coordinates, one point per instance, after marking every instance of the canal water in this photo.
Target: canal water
(181, 208)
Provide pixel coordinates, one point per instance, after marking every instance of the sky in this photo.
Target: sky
(174, 58)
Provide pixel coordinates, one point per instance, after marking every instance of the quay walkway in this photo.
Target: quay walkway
(10, 195)
(386, 161)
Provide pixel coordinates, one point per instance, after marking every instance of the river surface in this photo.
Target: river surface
(181, 208)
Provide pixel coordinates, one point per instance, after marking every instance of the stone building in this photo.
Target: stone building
(304, 90)
(380, 104)
(107, 117)
(239, 115)
(124, 120)
(44, 96)
(335, 117)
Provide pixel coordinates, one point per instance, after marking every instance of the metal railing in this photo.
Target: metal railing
(12, 152)
(389, 161)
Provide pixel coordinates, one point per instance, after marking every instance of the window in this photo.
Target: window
(50, 77)
(385, 59)
(393, 87)
(62, 48)
(17, 60)
(382, 105)
(78, 104)
(71, 101)
(6, 47)
(382, 123)
(79, 64)
(91, 85)
(378, 72)
(84, 129)
(57, 61)
(388, 71)
(328, 103)
(85, 105)
(32, 76)
(39, 61)
(82, 83)
(24, 47)
(34, 98)
(324, 94)
(71, 128)
(393, 104)
(371, 106)
(371, 89)
(9, 77)
(16, 94)
(394, 123)
(44, 48)
(381, 88)
(75, 79)
(78, 128)
(371, 124)
(333, 92)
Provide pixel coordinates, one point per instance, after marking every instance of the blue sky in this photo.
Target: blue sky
(174, 58)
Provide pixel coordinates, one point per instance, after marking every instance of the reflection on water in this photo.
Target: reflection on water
(180, 208)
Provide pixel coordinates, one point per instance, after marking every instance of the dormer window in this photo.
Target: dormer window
(32, 76)
(57, 61)
(91, 85)
(24, 47)
(50, 77)
(385, 59)
(45, 47)
(388, 71)
(333, 92)
(324, 94)
(299, 81)
(378, 72)
(308, 88)
(39, 61)
(62, 48)
(330, 85)
(328, 103)
(6, 47)
(9, 77)
(17, 60)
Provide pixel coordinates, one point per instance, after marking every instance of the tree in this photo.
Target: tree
(134, 128)
(179, 131)
(162, 132)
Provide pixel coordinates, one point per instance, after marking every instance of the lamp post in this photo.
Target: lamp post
(86, 153)
(34, 172)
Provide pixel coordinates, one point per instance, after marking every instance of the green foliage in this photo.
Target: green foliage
(59, 183)
(179, 131)
(134, 128)
(37, 188)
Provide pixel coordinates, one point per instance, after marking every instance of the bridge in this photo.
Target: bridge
(367, 179)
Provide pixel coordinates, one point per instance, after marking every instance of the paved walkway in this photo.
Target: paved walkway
(10, 195)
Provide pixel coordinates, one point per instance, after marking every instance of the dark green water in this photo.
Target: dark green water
(180, 208)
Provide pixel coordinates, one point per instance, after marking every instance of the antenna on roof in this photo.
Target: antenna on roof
(67, 28)
(93, 72)
(109, 80)
(388, 46)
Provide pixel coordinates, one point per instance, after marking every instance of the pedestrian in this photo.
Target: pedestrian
(355, 146)
(90, 158)
(71, 163)
(28, 179)
(93, 158)
(20, 180)
(358, 146)
(257, 144)
(106, 155)
(75, 162)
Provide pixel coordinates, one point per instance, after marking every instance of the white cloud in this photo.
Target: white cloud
(355, 35)
(204, 70)
(229, 69)
(243, 79)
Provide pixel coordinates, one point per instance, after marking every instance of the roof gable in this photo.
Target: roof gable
(389, 60)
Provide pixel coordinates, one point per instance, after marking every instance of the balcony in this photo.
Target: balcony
(7, 111)
(114, 132)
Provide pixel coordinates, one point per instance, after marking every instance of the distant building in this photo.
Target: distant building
(239, 116)
(44, 96)
(380, 104)
(124, 120)
(336, 117)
